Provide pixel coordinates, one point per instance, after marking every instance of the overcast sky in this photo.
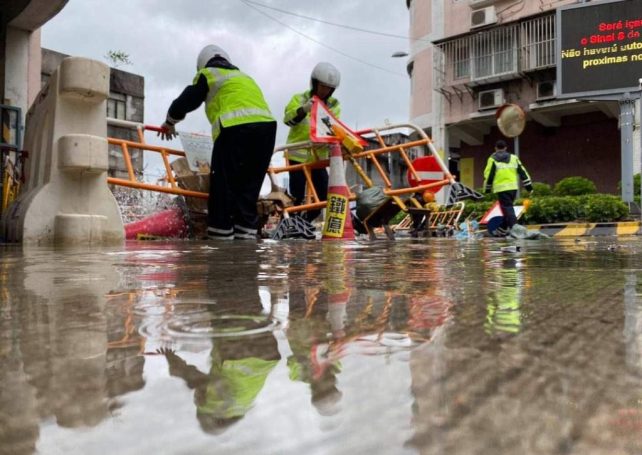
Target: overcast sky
(163, 39)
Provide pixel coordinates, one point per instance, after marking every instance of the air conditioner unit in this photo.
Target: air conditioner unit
(480, 3)
(483, 16)
(490, 99)
(546, 90)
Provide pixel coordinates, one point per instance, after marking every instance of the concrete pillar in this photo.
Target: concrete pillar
(22, 69)
(66, 199)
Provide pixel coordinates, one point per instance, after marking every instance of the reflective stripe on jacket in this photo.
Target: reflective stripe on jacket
(233, 99)
(300, 131)
(504, 176)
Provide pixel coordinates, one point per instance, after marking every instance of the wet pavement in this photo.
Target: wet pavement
(425, 346)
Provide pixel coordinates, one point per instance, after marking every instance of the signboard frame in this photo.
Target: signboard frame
(591, 94)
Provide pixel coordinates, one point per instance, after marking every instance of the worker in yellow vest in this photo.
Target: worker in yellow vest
(324, 80)
(243, 131)
(501, 176)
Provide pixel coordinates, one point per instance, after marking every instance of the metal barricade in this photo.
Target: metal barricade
(165, 152)
(375, 135)
(424, 143)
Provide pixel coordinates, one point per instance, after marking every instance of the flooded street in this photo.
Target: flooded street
(410, 347)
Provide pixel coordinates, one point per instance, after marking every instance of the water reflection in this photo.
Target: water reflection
(503, 315)
(304, 347)
(57, 360)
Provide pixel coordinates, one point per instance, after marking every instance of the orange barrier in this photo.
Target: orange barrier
(424, 143)
(374, 135)
(132, 181)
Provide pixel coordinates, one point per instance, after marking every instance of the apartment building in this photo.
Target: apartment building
(126, 102)
(469, 57)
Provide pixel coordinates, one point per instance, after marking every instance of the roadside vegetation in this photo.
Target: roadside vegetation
(571, 199)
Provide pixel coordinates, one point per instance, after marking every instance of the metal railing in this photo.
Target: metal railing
(500, 52)
(424, 144)
(165, 152)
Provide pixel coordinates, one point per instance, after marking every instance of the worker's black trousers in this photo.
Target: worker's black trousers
(240, 158)
(298, 185)
(506, 201)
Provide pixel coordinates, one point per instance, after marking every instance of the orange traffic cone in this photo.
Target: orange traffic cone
(168, 223)
(338, 220)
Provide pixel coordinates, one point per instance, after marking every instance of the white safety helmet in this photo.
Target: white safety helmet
(209, 52)
(327, 74)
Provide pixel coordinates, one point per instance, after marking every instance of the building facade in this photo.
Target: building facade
(126, 102)
(469, 57)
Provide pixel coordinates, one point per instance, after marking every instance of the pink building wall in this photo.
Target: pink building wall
(577, 141)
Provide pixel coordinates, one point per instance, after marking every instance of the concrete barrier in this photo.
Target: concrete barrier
(66, 199)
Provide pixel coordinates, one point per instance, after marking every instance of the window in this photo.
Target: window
(116, 106)
(494, 53)
(538, 37)
(461, 61)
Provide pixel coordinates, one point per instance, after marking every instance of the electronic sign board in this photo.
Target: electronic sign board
(599, 48)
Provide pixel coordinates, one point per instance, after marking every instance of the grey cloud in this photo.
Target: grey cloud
(163, 39)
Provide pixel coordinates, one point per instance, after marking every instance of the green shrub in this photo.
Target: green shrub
(541, 189)
(561, 209)
(574, 186)
(552, 209)
(603, 207)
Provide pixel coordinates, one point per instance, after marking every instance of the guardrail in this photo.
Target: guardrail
(424, 143)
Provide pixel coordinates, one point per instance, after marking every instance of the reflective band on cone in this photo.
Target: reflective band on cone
(338, 222)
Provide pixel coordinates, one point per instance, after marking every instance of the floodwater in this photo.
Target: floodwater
(424, 346)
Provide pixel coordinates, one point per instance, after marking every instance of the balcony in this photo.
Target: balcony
(493, 55)
(481, 3)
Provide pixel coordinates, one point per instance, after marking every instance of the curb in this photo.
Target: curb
(588, 229)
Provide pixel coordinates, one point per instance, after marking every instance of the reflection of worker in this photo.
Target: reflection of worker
(243, 131)
(501, 175)
(314, 362)
(237, 375)
(503, 314)
(323, 81)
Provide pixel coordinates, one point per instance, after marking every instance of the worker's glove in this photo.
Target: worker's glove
(307, 107)
(486, 190)
(167, 132)
(529, 188)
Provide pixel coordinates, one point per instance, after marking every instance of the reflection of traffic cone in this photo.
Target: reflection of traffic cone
(338, 222)
(168, 223)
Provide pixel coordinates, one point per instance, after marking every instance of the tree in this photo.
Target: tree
(118, 58)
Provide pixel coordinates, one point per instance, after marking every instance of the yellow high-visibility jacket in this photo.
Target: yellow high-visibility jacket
(300, 129)
(503, 171)
(233, 99)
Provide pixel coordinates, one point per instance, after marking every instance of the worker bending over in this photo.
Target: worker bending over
(243, 131)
